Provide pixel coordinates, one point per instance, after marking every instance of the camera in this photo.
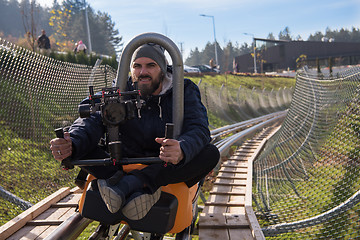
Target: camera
(115, 106)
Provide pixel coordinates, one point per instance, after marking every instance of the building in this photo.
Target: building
(282, 55)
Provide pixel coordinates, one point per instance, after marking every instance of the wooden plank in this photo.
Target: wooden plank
(51, 214)
(240, 155)
(47, 232)
(236, 165)
(223, 221)
(229, 180)
(239, 170)
(232, 174)
(240, 234)
(228, 193)
(236, 210)
(248, 146)
(71, 198)
(76, 190)
(63, 217)
(28, 233)
(19, 221)
(213, 234)
(235, 178)
(234, 161)
(227, 204)
(243, 184)
(244, 150)
(254, 224)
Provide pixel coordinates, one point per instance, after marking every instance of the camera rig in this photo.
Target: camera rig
(115, 107)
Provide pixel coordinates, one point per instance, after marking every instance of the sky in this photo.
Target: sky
(180, 20)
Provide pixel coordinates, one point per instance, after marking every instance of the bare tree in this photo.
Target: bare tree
(28, 10)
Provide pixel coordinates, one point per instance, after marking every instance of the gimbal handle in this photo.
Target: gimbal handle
(67, 163)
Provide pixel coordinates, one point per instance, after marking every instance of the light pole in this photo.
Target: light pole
(213, 19)
(87, 27)
(255, 70)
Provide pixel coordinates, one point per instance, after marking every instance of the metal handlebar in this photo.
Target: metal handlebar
(178, 71)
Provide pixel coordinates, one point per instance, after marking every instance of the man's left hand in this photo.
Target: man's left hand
(170, 150)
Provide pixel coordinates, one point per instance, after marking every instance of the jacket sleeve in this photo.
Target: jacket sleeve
(195, 133)
(85, 134)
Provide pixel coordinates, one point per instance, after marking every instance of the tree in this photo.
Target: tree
(245, 49)
(271, 37)
(28, 11)
(107, 40)
(316, 37)
(343, 35)
(194, 57)
(285, 34)
(10, 14)
(60, 21)
(225, 56)
(229, 54)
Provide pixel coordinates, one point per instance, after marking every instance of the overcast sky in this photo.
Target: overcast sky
(180, 20)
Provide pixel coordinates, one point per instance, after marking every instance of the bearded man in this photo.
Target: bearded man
(189, 158)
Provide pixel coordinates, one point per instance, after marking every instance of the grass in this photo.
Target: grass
(234, 81)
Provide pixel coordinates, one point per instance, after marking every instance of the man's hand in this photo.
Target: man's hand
(61, 148)
(170, 150)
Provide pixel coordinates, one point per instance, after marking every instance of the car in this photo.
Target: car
(206, 69)
(188, 69)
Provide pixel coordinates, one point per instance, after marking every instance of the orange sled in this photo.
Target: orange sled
(171, 214)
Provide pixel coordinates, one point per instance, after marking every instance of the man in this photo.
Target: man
(43, 42)
(189, 158)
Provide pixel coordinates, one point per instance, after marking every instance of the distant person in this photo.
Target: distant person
(80, 47)
(212, 64)
(43, 42)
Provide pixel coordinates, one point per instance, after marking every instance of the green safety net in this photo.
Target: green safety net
(307, 180)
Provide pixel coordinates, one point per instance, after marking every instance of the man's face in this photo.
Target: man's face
(148, 74)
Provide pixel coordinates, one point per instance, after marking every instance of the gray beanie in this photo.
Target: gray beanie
(152, 51)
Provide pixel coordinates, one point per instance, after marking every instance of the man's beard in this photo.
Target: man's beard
(147, 90)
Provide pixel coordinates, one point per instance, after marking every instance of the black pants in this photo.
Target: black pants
(157, 175)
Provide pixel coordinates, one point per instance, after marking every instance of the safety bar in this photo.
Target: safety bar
(178, 71)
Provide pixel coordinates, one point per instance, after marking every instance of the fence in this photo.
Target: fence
(307, 183)
(37, 95)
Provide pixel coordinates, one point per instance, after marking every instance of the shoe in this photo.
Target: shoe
(113, 198)
(116, 189)
(139, 204)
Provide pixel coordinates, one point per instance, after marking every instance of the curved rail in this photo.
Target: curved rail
(326, 216)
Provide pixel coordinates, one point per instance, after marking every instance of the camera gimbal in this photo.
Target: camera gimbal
(116, 107)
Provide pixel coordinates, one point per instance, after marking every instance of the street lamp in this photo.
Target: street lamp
(255, 70)
(87, 27)
(213, 19)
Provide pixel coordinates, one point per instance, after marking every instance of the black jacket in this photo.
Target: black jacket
(138, 135)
